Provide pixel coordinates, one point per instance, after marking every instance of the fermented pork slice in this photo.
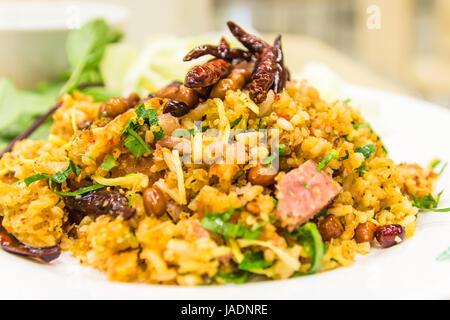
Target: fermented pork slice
(302, 192)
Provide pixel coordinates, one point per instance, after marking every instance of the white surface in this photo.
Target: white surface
(419, 132)
(33, 35)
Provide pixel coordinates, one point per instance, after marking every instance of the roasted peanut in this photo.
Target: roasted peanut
(390, 235)
(330, 227)
(365, 232)
(154, 201)
(263, 176)
(253, 207)
(133, 99)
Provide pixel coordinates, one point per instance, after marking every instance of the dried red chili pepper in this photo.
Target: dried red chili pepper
(263, 76)
(251, 42)
(222, 51)
(266, 67)
(282, 73)
(207, 74)
(10, 244)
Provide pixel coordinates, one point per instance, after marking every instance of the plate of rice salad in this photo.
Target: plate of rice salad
(237, 175)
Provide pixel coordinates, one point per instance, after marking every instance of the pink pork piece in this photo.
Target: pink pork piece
(302, 192)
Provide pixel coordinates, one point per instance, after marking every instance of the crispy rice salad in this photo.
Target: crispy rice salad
(236, 174)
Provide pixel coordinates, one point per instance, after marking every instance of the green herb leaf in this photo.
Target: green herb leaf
(324, 162)
(444, 255)
(109, 163)
(361, 125)
(80, 191)
(35, 177)
(237, 277)
(235, 122)
(366, 150)
(282, 149)
(218, 223)
(309, 236)
(361, 168)
(275, 202)
(135, 144)
(429, 203)
(254, 261)
(86, 155)
(85, 47)
(346, 101)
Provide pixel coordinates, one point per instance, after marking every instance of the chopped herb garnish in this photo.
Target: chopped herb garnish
(321, 213)
(361, 125)
(86, 155)
(260, 125)
(35, 177)
(434, 163)
(281, 151)
(366, 150)
(332, 155)
(254, 261)
(346, 101)
(275, 202)
(218, 223)
(362, 168)
(235, 122)
(444, 255)
(429, 203)
(109, 163)
(188, 132)
(80, 191)
(384, 149)
(309, 237)
(306, 185)
(135, 144)
(237, 277)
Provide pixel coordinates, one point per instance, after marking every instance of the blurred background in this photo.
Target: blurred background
(409, 53)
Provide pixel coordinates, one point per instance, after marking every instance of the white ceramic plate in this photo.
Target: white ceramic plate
(418, 132)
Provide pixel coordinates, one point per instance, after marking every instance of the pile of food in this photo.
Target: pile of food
(236, 174)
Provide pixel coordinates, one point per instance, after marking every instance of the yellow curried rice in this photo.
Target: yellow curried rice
(175, 248)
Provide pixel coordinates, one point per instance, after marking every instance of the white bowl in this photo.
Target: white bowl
(33, 34)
